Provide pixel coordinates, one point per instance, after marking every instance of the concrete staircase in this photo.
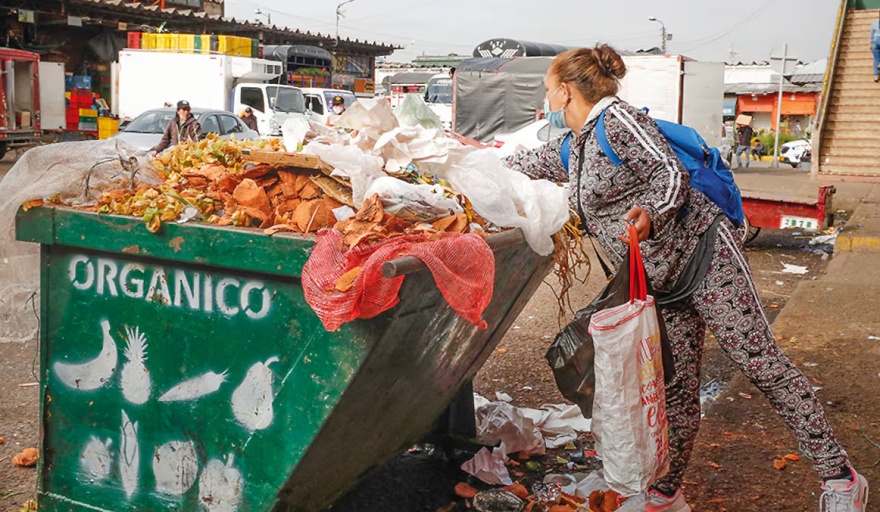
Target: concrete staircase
(851, 136)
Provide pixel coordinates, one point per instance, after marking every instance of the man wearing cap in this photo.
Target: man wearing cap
(249, 120)
(338, 105)
(182, 127)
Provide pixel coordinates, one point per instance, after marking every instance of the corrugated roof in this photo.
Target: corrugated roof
(812, 73)
(173, 13)
(769, 88)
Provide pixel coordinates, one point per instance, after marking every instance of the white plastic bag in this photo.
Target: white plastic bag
(629, 410)
(505, 197)
(413, 203)
(293, 132)
(413, 111)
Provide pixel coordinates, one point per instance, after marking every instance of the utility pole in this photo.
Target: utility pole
(663, 34)
(782, 63)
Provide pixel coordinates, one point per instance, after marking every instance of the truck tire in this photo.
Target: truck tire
(3, 148)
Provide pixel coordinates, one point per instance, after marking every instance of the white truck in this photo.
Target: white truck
(149, 79)
(438, 96)
(501, 96)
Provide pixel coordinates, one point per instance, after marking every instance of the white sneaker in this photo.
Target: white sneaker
(844, 495)
(653, 501)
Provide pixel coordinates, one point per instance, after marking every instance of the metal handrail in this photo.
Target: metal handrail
(827, 84)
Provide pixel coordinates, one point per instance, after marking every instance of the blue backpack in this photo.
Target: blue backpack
(709, 174)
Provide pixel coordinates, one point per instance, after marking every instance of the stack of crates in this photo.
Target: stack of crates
(80, 99)
(196, 43)
(88, 120)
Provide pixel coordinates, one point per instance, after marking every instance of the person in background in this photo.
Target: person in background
(650, 189)
(744, 134)
(875, 47)
(250, 120)
(182, 127)
(758, 149)
(338, 105)
(797, 131)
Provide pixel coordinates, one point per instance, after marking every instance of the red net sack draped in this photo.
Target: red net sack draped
(463, 267)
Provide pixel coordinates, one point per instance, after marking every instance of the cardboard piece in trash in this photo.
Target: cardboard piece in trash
(743, 119)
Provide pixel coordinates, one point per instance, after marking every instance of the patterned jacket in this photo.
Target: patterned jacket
(651, 177)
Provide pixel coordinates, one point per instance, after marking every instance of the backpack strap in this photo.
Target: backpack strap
(565, 153)
(602, 139)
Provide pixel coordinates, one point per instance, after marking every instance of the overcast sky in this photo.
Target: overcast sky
(706, 30)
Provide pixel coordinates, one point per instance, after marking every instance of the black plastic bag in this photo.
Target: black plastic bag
(571, 355)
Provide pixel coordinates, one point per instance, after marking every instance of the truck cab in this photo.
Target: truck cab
(438, 96)
(20, 105)
(272, 104)
(319, 102)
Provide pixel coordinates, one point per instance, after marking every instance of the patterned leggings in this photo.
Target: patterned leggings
(727, 302)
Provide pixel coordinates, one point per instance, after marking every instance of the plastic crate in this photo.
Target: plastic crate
(163, 41)
(223, 44)
(186, 43)
(174, 41)
(88, 127)
(82, 82)
(107, 127)
(88, 112)
(148, 41)
(134, 40)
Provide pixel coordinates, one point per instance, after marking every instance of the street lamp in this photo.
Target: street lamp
(268, 16)
(662, 33)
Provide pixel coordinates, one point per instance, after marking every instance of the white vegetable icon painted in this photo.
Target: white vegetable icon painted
(129, 456)
(194, 388)
(220, 486)
(136, 384)
(252, 399)
(92, 374)
(175, 467)
(96, 459)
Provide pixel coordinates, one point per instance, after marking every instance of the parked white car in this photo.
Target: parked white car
(793, 152)
(529, 136)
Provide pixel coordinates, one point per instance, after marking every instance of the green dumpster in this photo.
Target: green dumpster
(183, 370)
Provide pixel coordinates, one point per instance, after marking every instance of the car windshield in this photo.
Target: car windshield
(439, 91)
(286, 99)
(150, 122)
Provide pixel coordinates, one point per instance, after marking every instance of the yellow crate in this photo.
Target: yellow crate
(186, 43)
(88, 112)
(107, 127)
(174, 41)
(148, 41)
(222, 44)
(243, 46)
(163, 41)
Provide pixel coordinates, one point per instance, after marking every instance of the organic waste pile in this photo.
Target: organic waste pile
(378, 177)
(219, 182)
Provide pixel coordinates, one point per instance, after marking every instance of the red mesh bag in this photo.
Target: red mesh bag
(463, 267)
